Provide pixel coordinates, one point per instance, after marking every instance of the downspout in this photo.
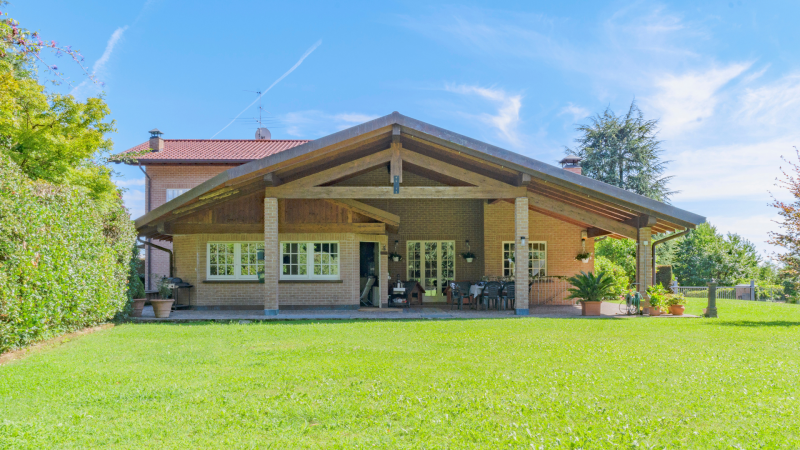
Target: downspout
(148, 188)
(661, 241)
(171, 256)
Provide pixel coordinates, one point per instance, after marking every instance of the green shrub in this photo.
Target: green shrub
(64, 258)
(664, 276)
(616, 272)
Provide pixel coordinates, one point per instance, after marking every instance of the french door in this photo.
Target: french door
(433, 264)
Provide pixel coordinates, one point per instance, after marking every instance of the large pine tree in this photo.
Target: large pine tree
(624, 151)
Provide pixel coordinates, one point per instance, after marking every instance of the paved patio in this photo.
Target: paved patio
(610, 310)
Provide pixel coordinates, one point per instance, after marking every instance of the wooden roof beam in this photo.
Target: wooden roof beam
(582, 215)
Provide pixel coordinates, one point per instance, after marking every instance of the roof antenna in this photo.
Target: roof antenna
(262, 133)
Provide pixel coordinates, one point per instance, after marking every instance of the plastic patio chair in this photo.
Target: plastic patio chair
(457, 295)
(491, 293)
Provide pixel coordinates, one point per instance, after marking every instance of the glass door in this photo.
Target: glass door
(433, 264)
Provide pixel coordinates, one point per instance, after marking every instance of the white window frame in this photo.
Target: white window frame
(310, 262)
(174, 193)
(237, 264)
(530, 260)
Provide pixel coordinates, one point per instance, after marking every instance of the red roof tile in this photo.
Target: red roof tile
(214, 150)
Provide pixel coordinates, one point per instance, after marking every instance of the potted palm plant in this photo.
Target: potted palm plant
(676, 304)
(583, 257)
(591, 290)
(469, 256)
(163, 307)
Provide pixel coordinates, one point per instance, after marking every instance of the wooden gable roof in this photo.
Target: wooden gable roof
(434, 153)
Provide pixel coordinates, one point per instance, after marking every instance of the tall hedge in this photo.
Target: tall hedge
(64, 258)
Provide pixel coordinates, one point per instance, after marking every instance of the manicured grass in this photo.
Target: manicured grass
(569, 383)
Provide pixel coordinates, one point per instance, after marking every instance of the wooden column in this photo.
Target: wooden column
(272, 255)
(521, 255)
(644, 267)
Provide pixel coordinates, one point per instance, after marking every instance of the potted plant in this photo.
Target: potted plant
(676, 304)
(137, 297)
(395, 256)
(469, 256)
(658, 299)
(591, 290)
(163, 307)
(583, 257)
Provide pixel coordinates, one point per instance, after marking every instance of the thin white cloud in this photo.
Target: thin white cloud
(577, 112)
(683, 101)
(754, 228)
(506, 120)
(129, 183)
(87, 87)
(312, 124)
(134, 201)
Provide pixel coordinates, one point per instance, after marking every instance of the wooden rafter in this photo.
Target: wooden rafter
(582, 215)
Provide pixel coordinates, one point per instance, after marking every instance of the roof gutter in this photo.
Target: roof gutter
(661, 241)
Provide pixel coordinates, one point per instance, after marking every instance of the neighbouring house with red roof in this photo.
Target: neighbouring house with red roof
(335, 222)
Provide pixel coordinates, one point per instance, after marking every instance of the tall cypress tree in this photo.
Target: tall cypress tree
(623, 151)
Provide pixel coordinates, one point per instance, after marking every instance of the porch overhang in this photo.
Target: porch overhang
(467, 167)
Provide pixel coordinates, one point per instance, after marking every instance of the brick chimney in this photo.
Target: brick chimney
(156, 141)
(572, 164)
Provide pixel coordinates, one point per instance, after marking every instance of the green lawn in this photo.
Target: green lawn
(550, 383)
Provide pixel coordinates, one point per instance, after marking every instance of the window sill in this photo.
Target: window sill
(309, 281)
(231, 281)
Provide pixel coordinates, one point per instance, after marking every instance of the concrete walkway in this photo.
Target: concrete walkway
(610, 310)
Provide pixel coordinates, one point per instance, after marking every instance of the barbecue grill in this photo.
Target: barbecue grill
(176, 284)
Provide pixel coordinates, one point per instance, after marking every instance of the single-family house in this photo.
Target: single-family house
(294, 224)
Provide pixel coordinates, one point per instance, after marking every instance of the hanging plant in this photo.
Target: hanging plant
(584, 257)
(395, 257)
(469, 256)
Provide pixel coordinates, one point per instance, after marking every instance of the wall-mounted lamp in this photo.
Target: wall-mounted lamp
(523, 240)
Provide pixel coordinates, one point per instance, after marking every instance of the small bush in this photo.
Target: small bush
(616, 272)
(64, 259)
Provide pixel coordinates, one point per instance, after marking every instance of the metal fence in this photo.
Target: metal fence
(549, 291)
(741, 292)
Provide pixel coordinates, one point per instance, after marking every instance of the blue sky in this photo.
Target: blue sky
(723, 78)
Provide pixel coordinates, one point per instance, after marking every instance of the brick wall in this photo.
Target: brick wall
(191, 262)
(429, 219)
(170, 177)
(563, 240)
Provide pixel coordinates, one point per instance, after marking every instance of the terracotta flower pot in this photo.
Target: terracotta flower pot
(677, 310)
(655, 311)
(138, 306)
(591, 308)
(162, 307)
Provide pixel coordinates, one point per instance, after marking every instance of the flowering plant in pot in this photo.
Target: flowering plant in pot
(163, 307)
(395, 257)
(676, 304)
(583, 257)
(658, 299)
(591, 290)
(469, 256)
